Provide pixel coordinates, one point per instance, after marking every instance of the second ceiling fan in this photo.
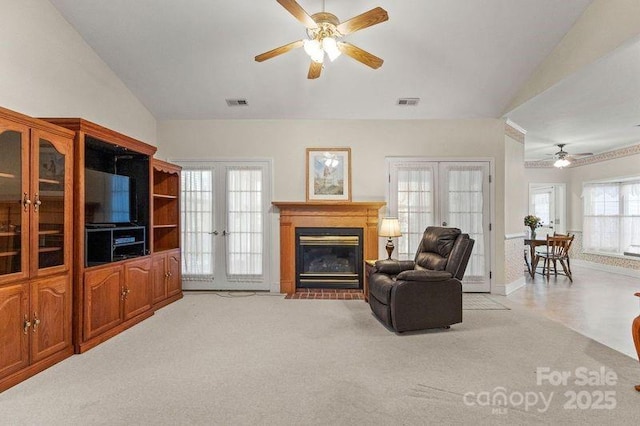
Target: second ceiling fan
(325, 31)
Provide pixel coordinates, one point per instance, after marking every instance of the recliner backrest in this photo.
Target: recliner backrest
(460, 255)
(444, 249)
(435, 247)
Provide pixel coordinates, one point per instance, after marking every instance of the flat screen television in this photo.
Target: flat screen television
(109, 198)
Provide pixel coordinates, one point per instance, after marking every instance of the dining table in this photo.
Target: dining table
(533, 243)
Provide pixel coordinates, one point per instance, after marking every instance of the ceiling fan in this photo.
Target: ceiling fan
(563, 158)
(324, 30)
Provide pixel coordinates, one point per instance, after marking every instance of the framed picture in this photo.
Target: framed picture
(328, 174)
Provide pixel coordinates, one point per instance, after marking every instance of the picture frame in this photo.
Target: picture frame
(328, 174)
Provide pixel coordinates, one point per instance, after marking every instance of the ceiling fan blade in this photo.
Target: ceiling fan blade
(314, 70)
(360, 55)
(278, 51)
(299, 13)
(367, 19)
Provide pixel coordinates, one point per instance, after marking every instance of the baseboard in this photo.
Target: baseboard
(606, 268)
(506, 289)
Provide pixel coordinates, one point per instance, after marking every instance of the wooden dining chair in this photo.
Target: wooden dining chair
(557, 250)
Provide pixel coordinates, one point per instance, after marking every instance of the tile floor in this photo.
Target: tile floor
(600, 305)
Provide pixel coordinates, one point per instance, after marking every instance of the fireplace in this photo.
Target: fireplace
(329, 258)
(362, 215)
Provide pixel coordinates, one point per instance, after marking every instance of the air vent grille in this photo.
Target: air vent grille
(237, 102)
(408, 101)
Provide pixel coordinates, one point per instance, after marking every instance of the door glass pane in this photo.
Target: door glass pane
(466, 211)
(49, 206)
(542, 206)
(10, 197)
(415, 208)
(197, 224)
(244, 220)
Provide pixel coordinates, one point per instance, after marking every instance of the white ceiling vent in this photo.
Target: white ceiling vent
(408, 101)
(237, 102)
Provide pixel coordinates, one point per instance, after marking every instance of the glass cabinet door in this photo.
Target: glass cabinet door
(50, 203)
(14, 209)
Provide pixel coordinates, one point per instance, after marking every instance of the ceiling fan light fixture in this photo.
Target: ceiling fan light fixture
(324, 35)
(561, 162)
(330, 46)
(313, 48)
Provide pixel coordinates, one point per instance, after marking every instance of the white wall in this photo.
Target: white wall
(515, 193)
(603, 27)
(47, 70)
(370, 141)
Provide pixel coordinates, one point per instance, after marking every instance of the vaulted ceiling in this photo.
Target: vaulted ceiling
(463, 59)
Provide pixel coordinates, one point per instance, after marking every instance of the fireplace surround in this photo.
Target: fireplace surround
(330, 214)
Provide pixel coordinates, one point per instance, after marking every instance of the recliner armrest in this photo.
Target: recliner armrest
(423, 275)
(393, 267)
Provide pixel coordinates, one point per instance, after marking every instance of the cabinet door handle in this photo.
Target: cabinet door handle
(125, 292)
(36, 322)
(26, 325)
(37, 203)
(169, 274)
(26, 201)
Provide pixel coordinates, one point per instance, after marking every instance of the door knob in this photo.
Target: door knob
(36, 322)
(444, 223)
(37, 203)
(26, 201)
(26, 325)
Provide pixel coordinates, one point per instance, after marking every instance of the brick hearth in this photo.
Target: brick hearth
(328, 294)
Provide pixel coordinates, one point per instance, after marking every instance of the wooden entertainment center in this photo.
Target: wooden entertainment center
(67, 281)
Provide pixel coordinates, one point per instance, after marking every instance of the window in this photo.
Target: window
(197, 223)
(415, 194)
(245, 218)
(612, 217)
(542, 206)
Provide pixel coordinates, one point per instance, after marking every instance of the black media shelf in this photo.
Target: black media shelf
(112, 244)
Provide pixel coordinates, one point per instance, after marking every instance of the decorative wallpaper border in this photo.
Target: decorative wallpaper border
(513, 133)
(577, 252)
(513, 259)
(605, 156)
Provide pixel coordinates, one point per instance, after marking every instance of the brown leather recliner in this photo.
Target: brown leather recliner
(426, 292)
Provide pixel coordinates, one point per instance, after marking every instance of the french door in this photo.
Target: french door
(547, 201)
(444, 193)
(224, 212)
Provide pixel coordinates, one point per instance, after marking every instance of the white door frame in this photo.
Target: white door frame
(492, 243)
(220, 165)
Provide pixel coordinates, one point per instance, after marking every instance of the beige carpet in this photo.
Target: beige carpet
(265, 360)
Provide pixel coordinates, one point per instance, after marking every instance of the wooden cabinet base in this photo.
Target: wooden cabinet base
(34, 369)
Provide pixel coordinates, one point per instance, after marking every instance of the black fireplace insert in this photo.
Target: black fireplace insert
(329, 258)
